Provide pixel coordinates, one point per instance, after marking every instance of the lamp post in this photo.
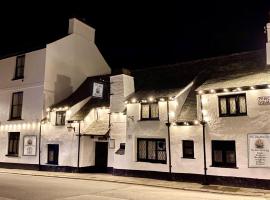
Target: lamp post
(169, 138)
(39, 143)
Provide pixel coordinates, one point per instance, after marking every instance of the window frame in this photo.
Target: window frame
(14, 138)
(11, 117)
(63, 121)
(150, 116)
(17, 67)
(156, 150)
(227, 97)
(184, 142)
(222, 147)
(56, 156)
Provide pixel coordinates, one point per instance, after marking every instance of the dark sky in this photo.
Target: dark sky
(136, 35)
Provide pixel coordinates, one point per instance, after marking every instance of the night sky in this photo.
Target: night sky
(138, 35)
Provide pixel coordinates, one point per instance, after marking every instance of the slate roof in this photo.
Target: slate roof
(92, 103)
(235, 70)
(97, 128)
(84, 91)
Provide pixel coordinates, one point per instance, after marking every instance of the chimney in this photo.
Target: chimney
(268, 44)
(82, 29)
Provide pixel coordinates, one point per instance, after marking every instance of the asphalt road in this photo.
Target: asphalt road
(25, 187)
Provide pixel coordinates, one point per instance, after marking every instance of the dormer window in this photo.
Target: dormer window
(60, 118)
(232, 105)
(149, 111)
(19, 70)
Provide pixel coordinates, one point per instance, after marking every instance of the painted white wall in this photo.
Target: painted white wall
(69, 61)
(237, 128)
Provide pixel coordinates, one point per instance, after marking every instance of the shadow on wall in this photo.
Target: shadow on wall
(62, 87)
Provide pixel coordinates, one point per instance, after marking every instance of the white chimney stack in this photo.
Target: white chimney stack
(268, 44)
(82, 29)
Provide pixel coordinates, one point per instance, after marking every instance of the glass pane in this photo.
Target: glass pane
(151, 150)
(15, 111)
(232, 105)
(154, 110)
(51, 156)
(15, 99)
(161, 155)
(188, 151)
(230, 156)
(145, 111)
(20, 98)
(161, 145)
(142, 149)
(217, 156)
(242, 104)
(223, 106)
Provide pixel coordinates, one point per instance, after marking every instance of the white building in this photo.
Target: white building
(204, 121)
(32, 81)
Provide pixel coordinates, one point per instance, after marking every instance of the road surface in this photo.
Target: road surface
(25, 187)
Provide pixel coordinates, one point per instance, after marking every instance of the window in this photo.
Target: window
(223, 154)
(149, 111)
(16, 105)
(60, 118)
(19, 70)
(232, 105)
(121, 150)
(151, 150)
(188, 149)
(53, 151)
(13, 143)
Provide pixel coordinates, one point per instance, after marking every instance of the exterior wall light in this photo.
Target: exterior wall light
(162, 99)
(252, 88)
(70, 128)
(212, 91)
(133, 100)
(225, 90)
(200, 92)
(151, 99)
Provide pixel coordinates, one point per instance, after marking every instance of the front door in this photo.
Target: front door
(101, 156)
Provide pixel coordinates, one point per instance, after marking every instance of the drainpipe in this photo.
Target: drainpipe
(169, 139)
(205, 178)
(39, 147)
(79, 147)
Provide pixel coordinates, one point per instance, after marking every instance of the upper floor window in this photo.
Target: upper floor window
(16, 105)
(19, 70)
(149, 111)
(232, 105)
(60, 118)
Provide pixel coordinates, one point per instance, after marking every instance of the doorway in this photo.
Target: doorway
(101, 157)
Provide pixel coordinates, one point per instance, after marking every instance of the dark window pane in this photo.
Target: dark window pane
(53, 151)
(60, 117)
(188, 149)
(19, 70)
(16, 105)
(13, 143)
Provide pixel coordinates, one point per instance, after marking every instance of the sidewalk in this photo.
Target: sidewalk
(145, 181)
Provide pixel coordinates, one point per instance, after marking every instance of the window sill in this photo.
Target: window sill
(152, 162)
(188, 158)
(149, 120)
(51, 164)
(17, 78)
(15, 119)
(244, 115)
(224, 167)
(12, 155)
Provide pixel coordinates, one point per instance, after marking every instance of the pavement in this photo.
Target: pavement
(186, 186)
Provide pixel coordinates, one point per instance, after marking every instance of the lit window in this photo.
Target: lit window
(19, 70)
(223, 153)
(232, 105)
(151, 150)
(60, 118)
(149, 111)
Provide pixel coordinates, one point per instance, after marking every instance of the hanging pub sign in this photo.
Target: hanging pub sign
(259, 150)
(97, 90)
(29, 145)
(265, 100)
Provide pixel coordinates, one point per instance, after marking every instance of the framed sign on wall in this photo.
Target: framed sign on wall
(97, 90)
(30, 145)
(259, 150)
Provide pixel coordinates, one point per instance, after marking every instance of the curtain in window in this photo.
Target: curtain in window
(242, 104)
(142, 149)
(217, 156)
(232, 105)
(145, 111)
(151, 150)
(223, 106)
(154, 110)
(230, 156)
